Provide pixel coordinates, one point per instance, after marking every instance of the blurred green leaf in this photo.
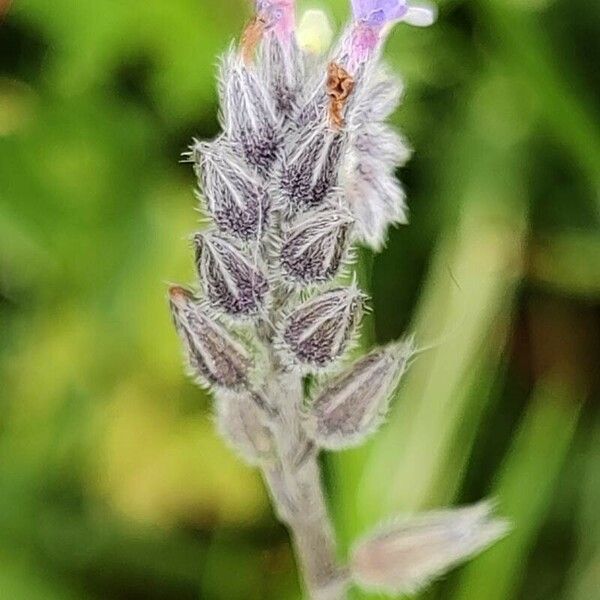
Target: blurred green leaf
(525, 488)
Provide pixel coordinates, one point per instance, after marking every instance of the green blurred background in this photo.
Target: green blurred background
(113, 484)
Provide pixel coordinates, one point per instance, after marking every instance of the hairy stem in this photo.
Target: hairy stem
(294, 482)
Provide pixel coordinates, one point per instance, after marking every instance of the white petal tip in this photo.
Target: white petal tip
(421, 15)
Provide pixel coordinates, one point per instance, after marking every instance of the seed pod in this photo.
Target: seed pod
(314, 247)
(354, 404)
(403, 557)
(311, 170)
(215, 357)
(237, 201)
(249, 117)
(232, 282)
(241, 424)
(318, 331)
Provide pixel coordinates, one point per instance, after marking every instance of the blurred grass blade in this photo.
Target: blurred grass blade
(534, 463)
(584, 580)
(411, 454)
(20, 580)
(568, 262)
(543, 75)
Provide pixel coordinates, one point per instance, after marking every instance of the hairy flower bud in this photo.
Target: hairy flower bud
(215, 357)
(232, 281)
(311, 170)
(237, 201)
(377, 96)
(375, 198)
(403, 557)
(314, 247)
(282, 70)
(354, 404)
(380, 144)
(241, 423)
(319, 330)
(250, 118)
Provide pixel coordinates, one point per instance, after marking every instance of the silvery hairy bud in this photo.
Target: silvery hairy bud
(235, 198)
(318, 332)
(232, 281)
(250, 122)
(310, 170)
(241, 423)
(282, 70)
(381, 144)
(376, 199)
(377, 96)
(403, 557)
(354, 404)
(315, 246)
(215, 357)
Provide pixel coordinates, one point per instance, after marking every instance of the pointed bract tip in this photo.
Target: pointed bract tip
(179, 294)
(353, 405)
(215, 356)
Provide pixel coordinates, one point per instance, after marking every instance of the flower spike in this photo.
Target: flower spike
(303, 170)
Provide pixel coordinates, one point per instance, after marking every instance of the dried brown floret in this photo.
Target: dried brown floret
(340, 85)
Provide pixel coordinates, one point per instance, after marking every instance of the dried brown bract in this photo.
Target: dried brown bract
(340, 85)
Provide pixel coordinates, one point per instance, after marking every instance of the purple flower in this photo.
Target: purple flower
(279, 15)
(377, 13)
(373, 19)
